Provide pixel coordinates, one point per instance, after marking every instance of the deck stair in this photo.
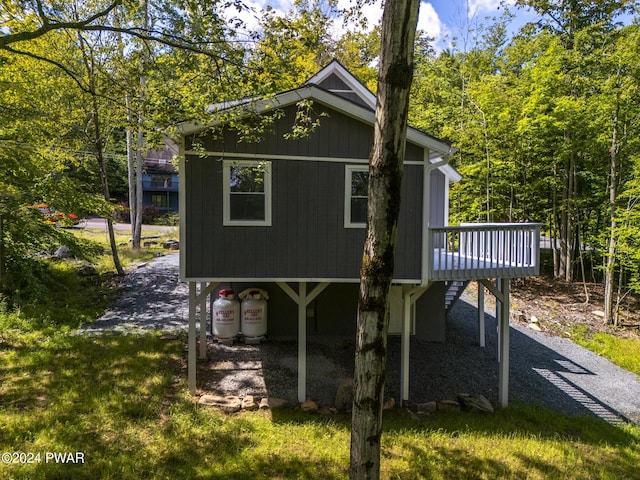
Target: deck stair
(454, 291)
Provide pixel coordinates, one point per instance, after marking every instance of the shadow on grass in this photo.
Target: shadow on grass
(121, 402)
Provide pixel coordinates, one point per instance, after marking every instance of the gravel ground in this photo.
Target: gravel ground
(551, 371)
(152, 298)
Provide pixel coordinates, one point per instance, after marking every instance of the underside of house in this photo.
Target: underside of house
(288, 215)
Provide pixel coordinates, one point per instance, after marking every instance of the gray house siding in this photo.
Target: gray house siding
(307, 238)
(338, 136)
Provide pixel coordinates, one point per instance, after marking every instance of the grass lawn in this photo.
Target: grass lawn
(121, 402)
(624, 352)
(116, 407)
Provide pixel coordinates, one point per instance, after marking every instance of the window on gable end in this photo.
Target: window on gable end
(355, 205)
(247, 192)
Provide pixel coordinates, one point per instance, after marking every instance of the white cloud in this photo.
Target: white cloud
(428, 21)
(486, 6)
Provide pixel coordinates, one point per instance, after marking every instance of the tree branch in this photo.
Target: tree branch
(48, 26)
(66, 70)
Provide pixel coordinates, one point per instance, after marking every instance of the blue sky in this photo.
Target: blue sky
(441, 19)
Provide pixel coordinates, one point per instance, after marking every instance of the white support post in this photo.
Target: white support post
(302, 341)
(481, 330)
(302, 300)
(405, 344)
(503, 347)
(499, 300)
(203, 320)
(191, 345)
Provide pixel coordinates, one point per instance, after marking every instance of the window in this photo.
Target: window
(247, 192)
(160, 181)
(355, 205)
(159, 200)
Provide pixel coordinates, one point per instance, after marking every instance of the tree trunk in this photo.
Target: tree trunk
(137, 235)
(98, 143)
(136, 224)
(131, 172)
(385, 178)
(610, 316)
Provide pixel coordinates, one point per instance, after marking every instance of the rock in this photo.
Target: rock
(598, 313)
(63, 252)
(272, 403)
(87, 270)
(475, 403)
(249, 403)
(149, 243)
(448, 406)
(327, 410)
(171, 245)
(228, 404)
(533, 319)
(344, 395)
(427, 407)
(309, 406)
(534, 326)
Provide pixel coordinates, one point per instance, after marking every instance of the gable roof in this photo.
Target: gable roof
(338, 80)
(335, 87)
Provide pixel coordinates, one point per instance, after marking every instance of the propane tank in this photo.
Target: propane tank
(254, 315)
(226, 316)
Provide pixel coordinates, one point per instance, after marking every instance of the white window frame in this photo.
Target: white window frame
(348, 176)
(226, 192)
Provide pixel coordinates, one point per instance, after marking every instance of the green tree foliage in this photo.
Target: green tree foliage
(546, 126)
(292, 48)
(37, 167)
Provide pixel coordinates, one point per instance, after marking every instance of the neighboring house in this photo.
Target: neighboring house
(160, 181)
(288, 215)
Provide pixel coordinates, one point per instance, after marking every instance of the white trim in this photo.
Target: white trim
(226, 193)
(348, 177)
(411, 281)
(343, 74)
(267, 156)
(182, 205)
(446, 204)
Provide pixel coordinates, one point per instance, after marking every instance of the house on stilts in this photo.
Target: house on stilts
(288, 215)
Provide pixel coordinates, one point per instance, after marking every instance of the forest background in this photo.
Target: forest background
(545, 117)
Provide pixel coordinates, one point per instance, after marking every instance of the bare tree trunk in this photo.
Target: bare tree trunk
(137, 235)
(554, 225)
(610, 316)
(131, 171)
(98, 142)
(136, 206)
(385, 178)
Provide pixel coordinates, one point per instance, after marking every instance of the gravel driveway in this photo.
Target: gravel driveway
(551, 371)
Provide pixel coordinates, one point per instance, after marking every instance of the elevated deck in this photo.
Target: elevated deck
(484, 250)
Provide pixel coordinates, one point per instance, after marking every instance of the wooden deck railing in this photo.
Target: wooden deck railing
(484, 250)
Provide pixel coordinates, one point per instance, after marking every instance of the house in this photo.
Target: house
(288, 215)
(160, 181)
